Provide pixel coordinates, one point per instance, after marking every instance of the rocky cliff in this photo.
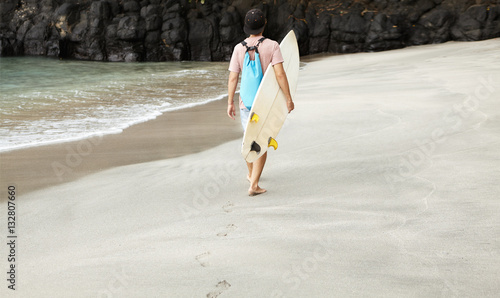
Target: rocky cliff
(207, 30)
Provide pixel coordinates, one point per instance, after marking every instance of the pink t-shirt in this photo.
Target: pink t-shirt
(269, 53)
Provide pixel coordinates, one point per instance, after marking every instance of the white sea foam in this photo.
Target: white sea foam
(61, 131)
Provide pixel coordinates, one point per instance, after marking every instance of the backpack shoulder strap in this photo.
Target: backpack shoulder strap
(258, 44)
(254, 48)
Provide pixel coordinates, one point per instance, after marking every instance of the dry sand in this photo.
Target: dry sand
(385, 185)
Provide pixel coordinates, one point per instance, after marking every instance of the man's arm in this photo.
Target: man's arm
(231, 90)
(283, 82)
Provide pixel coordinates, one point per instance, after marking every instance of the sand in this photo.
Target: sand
(385, 184)
(170, 135)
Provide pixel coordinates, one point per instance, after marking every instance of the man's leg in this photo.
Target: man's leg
(244, 114)
(257, 168)
(249, 176)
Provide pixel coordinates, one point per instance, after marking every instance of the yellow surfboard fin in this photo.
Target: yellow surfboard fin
(255, 118)
(273, 143)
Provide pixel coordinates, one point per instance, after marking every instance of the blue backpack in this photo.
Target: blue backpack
(251, 75)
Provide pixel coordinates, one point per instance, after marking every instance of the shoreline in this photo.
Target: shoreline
(111, 131)
(171, 134)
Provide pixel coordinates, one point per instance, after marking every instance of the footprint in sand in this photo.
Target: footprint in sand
(203, 259)
(220, 288)
(229, 228)
(228, 207)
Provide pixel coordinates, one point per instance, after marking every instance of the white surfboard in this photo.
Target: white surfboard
(269, 108)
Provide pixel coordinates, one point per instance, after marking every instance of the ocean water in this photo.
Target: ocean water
(44, 100)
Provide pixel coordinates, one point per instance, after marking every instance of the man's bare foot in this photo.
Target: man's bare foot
(255, 191)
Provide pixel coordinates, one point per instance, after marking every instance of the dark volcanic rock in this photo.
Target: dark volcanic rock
(131, 28)
(161, 30)
(201, 32)
(470, 24)
(174, 44)
(131, 6)
(433, 27)
(35, 39)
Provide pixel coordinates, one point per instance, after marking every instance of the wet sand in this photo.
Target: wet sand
(170, 135)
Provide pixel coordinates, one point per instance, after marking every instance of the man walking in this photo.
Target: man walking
(268, 53)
